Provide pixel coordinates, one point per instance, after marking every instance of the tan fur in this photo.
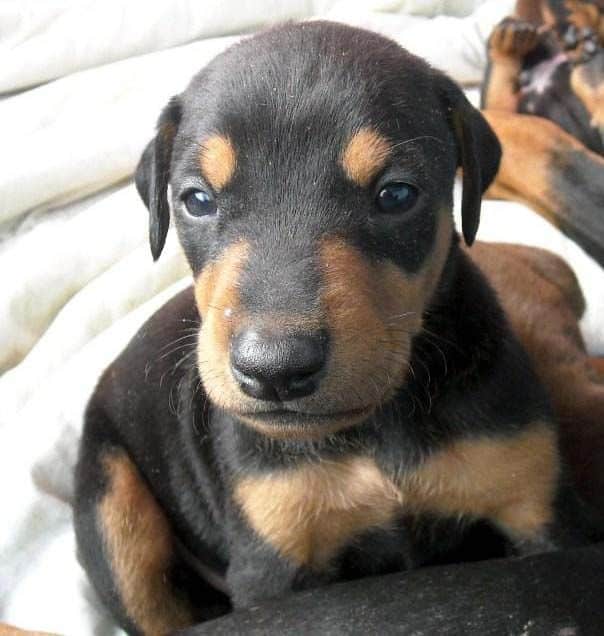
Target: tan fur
(139, 547)
(309, 514)
(525, 176)
(371, 337)
(511, 481)
(585, 15)
(217, 298)
(506, 53)
(529, 10)
(537, 288)
(218, 161)
(591, 96)
(501, 93)
(364, 156)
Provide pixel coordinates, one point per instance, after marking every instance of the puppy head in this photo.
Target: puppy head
(311, 171)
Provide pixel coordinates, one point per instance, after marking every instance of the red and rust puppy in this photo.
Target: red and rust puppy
(543, 94)
(548, 60)
(339, 394)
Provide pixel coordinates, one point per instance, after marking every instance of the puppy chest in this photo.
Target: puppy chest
(310, 513)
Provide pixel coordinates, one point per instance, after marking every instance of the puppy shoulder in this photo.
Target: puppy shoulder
(489, 382)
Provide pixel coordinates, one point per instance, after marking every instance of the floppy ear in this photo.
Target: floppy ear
(478, 155)
(153, 174)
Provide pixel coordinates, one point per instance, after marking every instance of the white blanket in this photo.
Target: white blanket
(77, 277)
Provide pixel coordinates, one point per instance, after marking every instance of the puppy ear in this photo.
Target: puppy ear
(153, 175)
(478, 155)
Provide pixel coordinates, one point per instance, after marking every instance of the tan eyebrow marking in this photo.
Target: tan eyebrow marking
(364, 156)
(218, 160)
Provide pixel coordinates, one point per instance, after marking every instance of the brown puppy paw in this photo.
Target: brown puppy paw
(512, 39)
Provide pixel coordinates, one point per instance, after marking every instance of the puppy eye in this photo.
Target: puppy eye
(397, 197)
(199, 203)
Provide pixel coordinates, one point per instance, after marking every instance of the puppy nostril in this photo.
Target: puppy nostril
(270, 367)
(299, 379)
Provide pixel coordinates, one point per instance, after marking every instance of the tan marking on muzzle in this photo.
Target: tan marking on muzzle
(218, 161)
(139, 548)
(364, 156)
(217, 298)
(373, 310)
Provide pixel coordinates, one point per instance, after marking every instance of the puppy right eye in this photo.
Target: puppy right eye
(199, 203)
(397, 197)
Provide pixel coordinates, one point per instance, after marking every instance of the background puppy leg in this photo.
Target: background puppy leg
(510, 41)
(544, 303)
(547, 169)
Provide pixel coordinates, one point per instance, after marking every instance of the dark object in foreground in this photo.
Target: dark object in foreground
(555, 593)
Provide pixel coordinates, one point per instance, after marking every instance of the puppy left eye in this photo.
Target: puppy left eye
(397, 197)
(199, 203)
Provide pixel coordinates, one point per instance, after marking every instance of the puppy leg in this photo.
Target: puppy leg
(125, 544)
(597, 367)
(554, 174)
(510, 41)
(510, 481)
(257, 572)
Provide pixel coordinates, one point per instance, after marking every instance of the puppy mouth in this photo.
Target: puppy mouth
(284, 422)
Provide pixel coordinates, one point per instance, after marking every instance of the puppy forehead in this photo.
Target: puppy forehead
(362, 156)
(218, 160)
(301, 90)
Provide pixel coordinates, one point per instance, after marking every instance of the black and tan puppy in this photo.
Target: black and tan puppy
(339, 394)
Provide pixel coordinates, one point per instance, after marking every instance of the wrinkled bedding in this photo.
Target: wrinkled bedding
(82, 84)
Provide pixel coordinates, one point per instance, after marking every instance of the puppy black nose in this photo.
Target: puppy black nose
(282, 367)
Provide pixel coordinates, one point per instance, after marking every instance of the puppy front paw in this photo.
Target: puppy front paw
(512, 39)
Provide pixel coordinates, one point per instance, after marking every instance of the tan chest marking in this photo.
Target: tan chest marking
(511, 481)
(311, 513)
